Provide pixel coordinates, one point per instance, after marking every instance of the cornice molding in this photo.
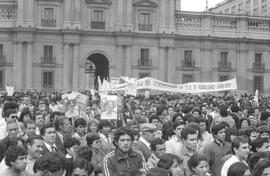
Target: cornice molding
(108, 2)
(145, 3)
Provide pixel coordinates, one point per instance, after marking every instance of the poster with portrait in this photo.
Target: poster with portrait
(108, 106)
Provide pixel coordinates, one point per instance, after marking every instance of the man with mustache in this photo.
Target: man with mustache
(123, 160)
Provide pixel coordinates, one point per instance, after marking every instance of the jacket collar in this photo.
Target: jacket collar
(122, 156)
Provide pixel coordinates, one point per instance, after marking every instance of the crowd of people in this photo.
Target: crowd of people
(42, 134)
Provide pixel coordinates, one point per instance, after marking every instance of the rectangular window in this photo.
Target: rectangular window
(48, 54)
(48, 19)
(240, 7)
(224, 57)
(145, 22)
(264, 9)
(145, 18)
(144, 57)
(264, 1)
(227, 10)
(48, 14)
(143, 75)
(258, 83)
(258, 58)
(2, 80)
(98, 20)
(48, 80)
(1, 50)
(256, 11)
(223, 78)
(98, 16)
(256, 2)
(233, 9)
(187, 78)
(188, 57)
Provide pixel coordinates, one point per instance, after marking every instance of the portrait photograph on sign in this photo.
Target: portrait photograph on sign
(108, 106)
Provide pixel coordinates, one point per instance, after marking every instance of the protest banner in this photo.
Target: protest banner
(108, 106)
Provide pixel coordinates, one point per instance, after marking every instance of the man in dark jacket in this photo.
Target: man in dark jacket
(123, 160)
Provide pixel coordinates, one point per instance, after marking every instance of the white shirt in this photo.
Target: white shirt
(49, 147)
(145, 142)
(225, 168)
(173, 145)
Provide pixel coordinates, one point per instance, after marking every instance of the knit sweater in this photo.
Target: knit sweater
(214, 152)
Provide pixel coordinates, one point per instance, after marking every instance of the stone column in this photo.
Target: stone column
(66, 68)
(161, 69)
(171, 65)
(118, 60)
(75, 76)
(162, 16)
(128, 61)
(20, 13)
(18, 67)
(29, 60)
(178, 5)
(67, 12)
(120, 14)
(129, 15)
(77, 14)
(206, 64)
(172, 16)
(30, 10)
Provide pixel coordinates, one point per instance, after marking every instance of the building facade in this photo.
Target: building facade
(247, 7)
(57, 44)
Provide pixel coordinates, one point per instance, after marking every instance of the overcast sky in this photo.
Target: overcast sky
(198, 5)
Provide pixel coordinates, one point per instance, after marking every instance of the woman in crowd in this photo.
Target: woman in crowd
(244, 123)
(262, 168)
(92, 126)
(173, 163)
(198, 165)
(93, 141)
(239, 169)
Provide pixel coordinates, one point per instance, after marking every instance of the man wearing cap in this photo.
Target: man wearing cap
(147, 135)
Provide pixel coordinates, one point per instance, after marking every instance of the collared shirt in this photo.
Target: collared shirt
(82, 139)
(49, 147)
(185, 155)
(106, 138)
(174, 146)
(145, 142)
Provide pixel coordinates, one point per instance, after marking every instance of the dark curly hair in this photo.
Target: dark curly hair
(13, 153)
(120, 132)
(84, 152)
(51, 162)
(82, 164)
(259, 167)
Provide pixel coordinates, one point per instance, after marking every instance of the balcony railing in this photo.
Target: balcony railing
(224, 66)
(2, 60)
(48, 23)
(144, 62)
(190, 64)
(97, 24)
(258, 67)
(222, 25)
(47, 60)
(145, 27)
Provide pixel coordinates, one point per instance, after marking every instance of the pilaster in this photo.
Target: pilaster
(29, 55)
(66, 71)
(75, 76)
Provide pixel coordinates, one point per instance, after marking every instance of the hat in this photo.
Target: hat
(148, 127)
